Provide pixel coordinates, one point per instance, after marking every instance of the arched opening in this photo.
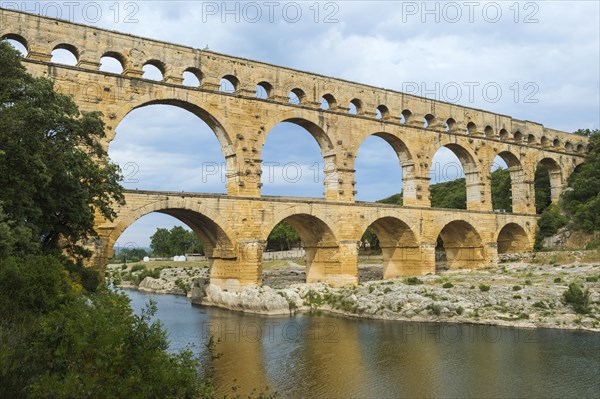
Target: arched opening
(547, 183)
(111, 62)
(382, 112)
(328, 102)
(355, 107)
(317, 249)
(581, 149)
(65, 54)
(513, 239)
(405, 116)
(192, 77)
(296, 96)
(459, 246)
(500, 182)
(18, 42)
(284, 259)
(454, 181)
(293, 159)
(264, 90)
(382, 152)
(228, 84)
(531, 139)
(428, 121)
(489, 131)
(568, 146)
(556, 143)
(503, 134)
(146, 241)
(471, 128)
(545, 142)
(518, 137)
(396, 243)
(171, 148)
(154, 70)
(450, 125)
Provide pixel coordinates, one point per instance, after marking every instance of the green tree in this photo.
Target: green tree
(52, 172)
(63, 334)
(582, 199)
(542, 189)
(159, 243)
(501, 190)
(282, 237)
(177, 241)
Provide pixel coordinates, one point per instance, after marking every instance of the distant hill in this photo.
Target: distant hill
(453, 194)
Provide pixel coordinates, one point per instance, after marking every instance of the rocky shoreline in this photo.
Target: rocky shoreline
(516, 294)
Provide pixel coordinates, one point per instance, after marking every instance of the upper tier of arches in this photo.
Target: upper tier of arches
(271, 83)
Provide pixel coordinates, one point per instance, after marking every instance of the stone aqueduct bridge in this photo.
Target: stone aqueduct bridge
(234, 227)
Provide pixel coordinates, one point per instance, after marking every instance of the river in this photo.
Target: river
(322, 356)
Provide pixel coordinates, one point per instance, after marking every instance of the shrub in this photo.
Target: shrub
(448, 285)
(516, 296)
(577, 298)
(435, 309)
(413, 281)
(123, 266)
(386, 290)
(548, 224)
(516, 288)
(591, 279)
(527, 282)
(558, 280)
(460, 310)
(137, 268)
(540, 304)
(484, 287)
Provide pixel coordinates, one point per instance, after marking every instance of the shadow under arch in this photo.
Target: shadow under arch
(318, 240)
(513, 238)
(463, 246)
(399, 247)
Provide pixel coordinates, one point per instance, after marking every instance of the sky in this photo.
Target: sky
(537, 61)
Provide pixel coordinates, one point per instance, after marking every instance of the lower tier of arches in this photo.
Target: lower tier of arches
(413, 241)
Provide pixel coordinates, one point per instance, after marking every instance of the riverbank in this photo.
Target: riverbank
(526, 293)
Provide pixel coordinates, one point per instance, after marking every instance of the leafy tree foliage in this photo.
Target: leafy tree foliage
(129, 255)
(282, 238)
(63, 334)
(542, 189)
(501, 190)
(177, 241)
(61, 342)
(51, 177)
(582, 200)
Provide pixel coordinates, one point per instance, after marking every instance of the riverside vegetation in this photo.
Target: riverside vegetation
(63, 333)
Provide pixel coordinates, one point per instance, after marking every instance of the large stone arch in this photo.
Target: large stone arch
(476, 189)
(557, 179)
(399, 244)
(317, 127)
(205, 222)
(463, 245)
(319, 130)
(411, 174)
(520, 181)
(209, 115)
(318, 240)
(513, 238)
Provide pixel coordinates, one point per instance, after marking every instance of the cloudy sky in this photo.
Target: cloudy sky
(542, 56)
